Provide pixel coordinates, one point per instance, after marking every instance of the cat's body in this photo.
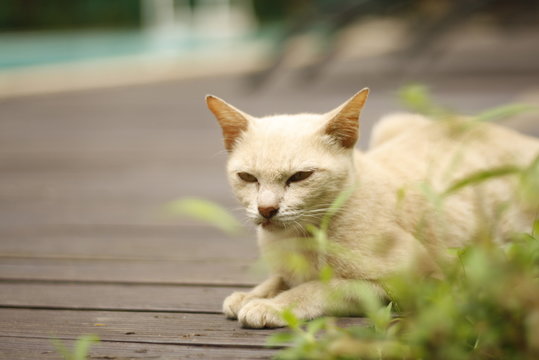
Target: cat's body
(287, 170)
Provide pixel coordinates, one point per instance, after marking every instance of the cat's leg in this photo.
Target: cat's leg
(393, 125)
(267, 289)
(308, 301)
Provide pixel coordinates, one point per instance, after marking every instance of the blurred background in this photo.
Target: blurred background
(102, 114)
(58, 45)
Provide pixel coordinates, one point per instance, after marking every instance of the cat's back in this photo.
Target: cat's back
(447, 149)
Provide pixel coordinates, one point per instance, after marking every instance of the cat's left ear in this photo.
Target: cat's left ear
(343, 125)
(233, 121)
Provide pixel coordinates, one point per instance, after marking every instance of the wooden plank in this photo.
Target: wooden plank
(117, 212)
(82, 212)
(92, 185)
(163, 181)
(31, 349)
(102, 139)
(172, 243)
(73, 160)
(115, 297)
(210, 271)
(141, 327)
(127, 198)
(173, 174)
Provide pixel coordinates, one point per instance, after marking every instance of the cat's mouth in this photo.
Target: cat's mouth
(269, 224)
(266, 223)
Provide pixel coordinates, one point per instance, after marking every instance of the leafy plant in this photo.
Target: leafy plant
(486, 306)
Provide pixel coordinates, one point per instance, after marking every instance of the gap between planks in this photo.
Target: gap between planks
(60, 308)
(31, 349)
(15, 280)
(107, 297)
(230, 346)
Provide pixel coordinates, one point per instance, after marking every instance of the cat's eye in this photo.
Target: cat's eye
(247, 177)
(299, 176)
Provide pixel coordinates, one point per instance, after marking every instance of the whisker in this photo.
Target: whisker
(317, 210)
(301, 229)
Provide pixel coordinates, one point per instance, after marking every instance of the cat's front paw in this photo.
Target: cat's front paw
(233, 304)
(261, 313)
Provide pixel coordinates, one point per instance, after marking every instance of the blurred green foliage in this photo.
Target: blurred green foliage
(205, 211)
(80, 350)
(486, 306)
(417, 98)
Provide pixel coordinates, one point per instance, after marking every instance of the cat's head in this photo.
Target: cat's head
(286, 170)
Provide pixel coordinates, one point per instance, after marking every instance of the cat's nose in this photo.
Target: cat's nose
(268, 212)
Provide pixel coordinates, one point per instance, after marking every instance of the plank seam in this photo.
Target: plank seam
(179, 343)
(64, 308)
(83, 258)
(128, 283)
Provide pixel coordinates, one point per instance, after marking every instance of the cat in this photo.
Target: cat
(286, 170)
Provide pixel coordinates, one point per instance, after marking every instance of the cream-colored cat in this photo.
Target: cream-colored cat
(286, 170)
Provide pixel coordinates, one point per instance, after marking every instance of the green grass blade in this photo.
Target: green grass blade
(291, 319)
(337, 204)
(417, 98)
(205, 211)
(481, 176)
(504, 112)
(280, 338)
(316, 325)
(82, 346)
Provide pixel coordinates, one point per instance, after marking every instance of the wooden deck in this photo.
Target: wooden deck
(85, 247)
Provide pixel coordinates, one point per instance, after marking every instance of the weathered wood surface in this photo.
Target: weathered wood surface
(132, 297)
(137, 326)
(85, 246)
(209, 271)
(168, 243)
(148, 327)
(158, 254)
(37, 348)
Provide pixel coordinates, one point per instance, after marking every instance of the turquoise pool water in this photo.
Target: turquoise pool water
(28, 49)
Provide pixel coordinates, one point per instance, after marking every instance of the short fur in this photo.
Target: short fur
(385, 221)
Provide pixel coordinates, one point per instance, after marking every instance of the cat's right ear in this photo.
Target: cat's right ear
(232, 121)
(344, 120)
